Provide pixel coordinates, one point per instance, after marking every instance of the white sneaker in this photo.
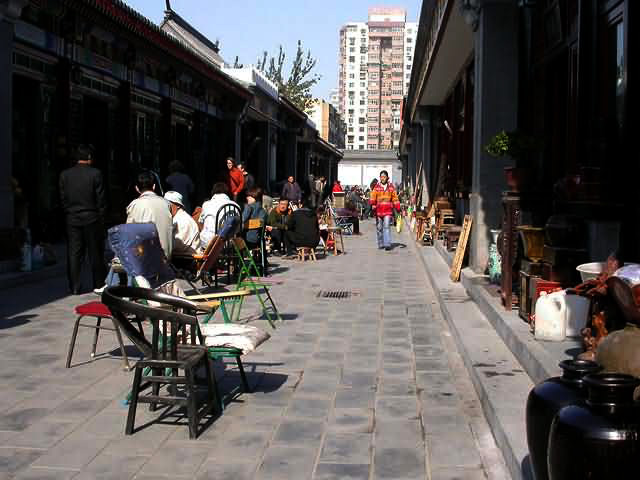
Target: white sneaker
(98, 291)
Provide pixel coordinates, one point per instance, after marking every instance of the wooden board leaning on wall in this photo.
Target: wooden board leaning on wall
(456, 266)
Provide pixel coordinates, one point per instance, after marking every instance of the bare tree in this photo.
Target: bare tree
(297, 86)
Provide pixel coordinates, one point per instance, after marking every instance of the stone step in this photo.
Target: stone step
(498, 377)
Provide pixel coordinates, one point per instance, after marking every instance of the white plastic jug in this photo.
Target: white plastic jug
(550, 318)
(559, 315)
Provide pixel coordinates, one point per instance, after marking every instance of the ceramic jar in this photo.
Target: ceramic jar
(620, 351)
(545, 401)
(600, 438)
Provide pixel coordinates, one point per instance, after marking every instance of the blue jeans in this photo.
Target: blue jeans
(383, 229)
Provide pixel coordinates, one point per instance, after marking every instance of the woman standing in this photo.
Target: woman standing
(235, 178)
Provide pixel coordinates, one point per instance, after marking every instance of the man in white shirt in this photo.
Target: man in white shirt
(210, 209)
(186, 235)
(150, 207)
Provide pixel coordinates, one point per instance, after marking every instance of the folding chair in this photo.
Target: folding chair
(342, 222)
(249, 277)
(259, 225)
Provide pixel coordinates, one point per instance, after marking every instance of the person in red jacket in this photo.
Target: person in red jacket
(235, 178)
(384, 200)
(337, 187)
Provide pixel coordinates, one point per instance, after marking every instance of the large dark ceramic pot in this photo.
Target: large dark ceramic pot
(545, 401)
(599, 439)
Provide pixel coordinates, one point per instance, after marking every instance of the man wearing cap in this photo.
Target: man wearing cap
(186, 234)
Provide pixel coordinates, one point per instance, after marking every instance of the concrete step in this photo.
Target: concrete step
(539, 359)
(498, 377)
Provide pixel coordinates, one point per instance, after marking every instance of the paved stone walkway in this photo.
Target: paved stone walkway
(369, 387)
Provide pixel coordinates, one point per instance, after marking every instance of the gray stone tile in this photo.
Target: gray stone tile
(354, 398)
(20, 418)
(113, 466)
(304, 406)
(341, 471)
(220, 470)
(395, 463)
(397, 407)
(41, 435)
(456, 473)
(12, 460)
(453, 449)
(45, 474)
(353, 420)
(352, 448)
(74, 452)
(298, 431)
(282, 462)
(177, 458)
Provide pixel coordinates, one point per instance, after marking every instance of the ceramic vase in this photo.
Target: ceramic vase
(600, 438)
(545, 401)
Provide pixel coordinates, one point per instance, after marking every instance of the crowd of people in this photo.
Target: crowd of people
(300, 217)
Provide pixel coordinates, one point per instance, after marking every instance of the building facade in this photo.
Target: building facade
(329, 123)
(97, 72)
(374, 73)
(558, 71)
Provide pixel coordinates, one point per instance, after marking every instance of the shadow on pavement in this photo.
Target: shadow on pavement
(16, 321)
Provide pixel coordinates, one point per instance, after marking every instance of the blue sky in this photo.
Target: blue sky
(248, 27)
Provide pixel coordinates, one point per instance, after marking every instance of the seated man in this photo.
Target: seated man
(252, 210)
(302, 229)
(186, 234)
(277, 225)
(150, 207)
(210, 208)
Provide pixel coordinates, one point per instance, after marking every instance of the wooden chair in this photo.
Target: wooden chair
(335, 232)
(165, 355)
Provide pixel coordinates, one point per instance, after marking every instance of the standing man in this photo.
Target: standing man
(291, 191)
(149, 207)
(384, 200)
(83, 201)
(180, 182)
(319, 190)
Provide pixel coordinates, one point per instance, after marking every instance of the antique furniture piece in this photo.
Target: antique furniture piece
(303, 252)
(173, 354)
(510, 220)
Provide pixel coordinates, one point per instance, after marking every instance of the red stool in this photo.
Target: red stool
(98, 310)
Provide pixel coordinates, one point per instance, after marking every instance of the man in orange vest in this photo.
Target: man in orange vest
(384, 200)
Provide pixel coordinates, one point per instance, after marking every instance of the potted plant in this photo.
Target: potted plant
(518, 146)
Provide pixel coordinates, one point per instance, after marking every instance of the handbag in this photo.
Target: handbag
(399, 223)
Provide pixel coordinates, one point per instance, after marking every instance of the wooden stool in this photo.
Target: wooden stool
(332, 233)
(304, 251)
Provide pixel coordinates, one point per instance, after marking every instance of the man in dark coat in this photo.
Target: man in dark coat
(291, 191)
(83, 200)
(302, 229)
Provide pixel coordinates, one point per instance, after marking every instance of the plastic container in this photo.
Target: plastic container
(589, 271)
(559, 315)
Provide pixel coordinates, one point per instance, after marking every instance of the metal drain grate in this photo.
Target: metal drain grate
(336, 294)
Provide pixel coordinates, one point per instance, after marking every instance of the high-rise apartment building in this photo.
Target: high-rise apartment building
(374, 74)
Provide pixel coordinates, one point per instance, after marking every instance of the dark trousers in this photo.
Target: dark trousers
(87, 239)
(279, 240)
(297, 239)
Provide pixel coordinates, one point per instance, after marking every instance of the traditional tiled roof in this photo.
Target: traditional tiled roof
(179, 28)
(146, 30)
